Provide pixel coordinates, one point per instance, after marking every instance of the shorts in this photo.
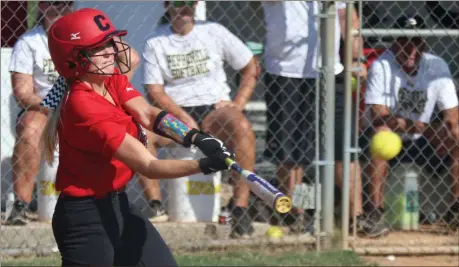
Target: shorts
(291, 106)
(198, 113)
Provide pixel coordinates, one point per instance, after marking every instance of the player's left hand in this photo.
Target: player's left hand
(209, 145)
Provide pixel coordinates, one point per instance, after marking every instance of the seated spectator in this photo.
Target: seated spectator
(291, 53)
(32, 76)
(184, 74)
(404, 85)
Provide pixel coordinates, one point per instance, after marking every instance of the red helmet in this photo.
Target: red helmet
(72, 35)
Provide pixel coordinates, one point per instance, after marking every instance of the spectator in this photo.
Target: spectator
(404, 85)
(32, 76)
(291, 54)
(184, 74)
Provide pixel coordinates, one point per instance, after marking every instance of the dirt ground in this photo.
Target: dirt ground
(446, 260)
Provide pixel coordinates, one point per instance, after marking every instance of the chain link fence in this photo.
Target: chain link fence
(415, 194)
(317, 108)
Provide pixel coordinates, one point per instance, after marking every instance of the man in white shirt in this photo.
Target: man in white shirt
(404, 86)
(292, 62)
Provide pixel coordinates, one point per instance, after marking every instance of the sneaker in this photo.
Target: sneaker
(371, 226)
(300, 223)
(17, 215)
(241, 223)
(452, 215)
(159, 213)
(374, 225)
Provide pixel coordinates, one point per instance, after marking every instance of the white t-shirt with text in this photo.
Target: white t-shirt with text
(191, 67)
(31, 56)
(292, 48)
(413, 97)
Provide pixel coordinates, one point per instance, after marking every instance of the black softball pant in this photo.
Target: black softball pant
(108, 231)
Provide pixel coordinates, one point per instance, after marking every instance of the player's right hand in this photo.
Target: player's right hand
(215, 163)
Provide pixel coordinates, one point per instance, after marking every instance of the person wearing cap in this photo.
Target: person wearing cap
(183, 73)
(292, 64)
(404, 86)
(32, 75)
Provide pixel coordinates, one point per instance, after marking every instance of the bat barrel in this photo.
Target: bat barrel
(282, 204)
(263, 189)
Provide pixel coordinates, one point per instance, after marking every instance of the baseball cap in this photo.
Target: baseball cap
(405, 22)
(410, 22)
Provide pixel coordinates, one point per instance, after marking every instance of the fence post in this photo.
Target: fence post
(345, 190)
(327, 77)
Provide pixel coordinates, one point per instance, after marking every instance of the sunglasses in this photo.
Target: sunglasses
(177, 4)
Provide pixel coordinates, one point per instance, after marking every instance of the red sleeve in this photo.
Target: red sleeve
(91, 127)
(105, 137)
(124, 89)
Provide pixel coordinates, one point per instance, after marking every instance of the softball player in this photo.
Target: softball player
(99, 121)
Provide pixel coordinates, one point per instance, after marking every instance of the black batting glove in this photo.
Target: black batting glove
(215, 163)
(208, 144)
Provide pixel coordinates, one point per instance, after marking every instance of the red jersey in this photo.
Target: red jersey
(90, 131)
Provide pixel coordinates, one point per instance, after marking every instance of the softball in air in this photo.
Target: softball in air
(386, 145)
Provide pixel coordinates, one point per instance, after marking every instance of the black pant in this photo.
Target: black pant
(107, 232)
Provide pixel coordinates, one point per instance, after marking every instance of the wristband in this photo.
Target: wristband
(363, 60)
(169, 126)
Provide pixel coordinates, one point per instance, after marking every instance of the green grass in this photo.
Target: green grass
(344, 258)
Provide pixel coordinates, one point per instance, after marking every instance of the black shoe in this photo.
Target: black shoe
(241, 223)
(300, 223)
(376, 220)
(452, 215)
(17, 216)
(159, 213)
(371, 226)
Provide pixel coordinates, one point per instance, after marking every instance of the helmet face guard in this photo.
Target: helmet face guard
(122, 57)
